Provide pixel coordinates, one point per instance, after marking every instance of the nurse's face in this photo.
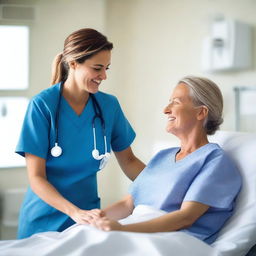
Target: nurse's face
(89, 74)
(181, 112)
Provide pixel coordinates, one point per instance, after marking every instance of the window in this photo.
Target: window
(14, 66)
(14, 45)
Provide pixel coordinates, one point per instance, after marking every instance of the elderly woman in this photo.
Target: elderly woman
(196, 183)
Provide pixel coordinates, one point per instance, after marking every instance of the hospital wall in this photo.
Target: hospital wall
(158, 42)
(155, 43)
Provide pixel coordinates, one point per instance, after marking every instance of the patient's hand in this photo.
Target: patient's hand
(106, 224)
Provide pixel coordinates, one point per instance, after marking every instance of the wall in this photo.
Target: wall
(158, 43)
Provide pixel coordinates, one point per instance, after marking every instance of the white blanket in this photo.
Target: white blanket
(80, 240)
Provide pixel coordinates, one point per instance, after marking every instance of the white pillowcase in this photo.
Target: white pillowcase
(239, 233)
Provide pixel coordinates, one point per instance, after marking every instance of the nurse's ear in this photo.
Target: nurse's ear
(72, 64)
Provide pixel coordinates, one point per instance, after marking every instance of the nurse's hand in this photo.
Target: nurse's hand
(85, 217)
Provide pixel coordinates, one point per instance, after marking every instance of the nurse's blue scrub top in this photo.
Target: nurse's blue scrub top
(73, 174)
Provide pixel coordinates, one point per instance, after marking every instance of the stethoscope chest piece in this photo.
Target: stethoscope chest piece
(56, 151)
(104, 160)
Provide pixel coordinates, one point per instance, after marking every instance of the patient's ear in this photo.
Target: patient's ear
(202, 113)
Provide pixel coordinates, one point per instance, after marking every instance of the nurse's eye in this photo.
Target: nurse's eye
(97, 69)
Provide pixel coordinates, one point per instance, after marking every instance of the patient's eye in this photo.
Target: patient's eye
(174, 101)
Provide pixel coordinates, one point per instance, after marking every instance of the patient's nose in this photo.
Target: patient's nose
(167, 109)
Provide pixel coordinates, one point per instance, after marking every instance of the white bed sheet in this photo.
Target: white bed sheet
(80, 240)
(235, 239)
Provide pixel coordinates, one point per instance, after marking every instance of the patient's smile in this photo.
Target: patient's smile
(170, 118)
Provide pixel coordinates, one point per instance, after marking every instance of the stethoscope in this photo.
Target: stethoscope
(56, 151)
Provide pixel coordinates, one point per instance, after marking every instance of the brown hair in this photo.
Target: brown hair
(78, 46)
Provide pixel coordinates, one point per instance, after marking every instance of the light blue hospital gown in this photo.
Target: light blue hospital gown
(73, 174)
(207, 175)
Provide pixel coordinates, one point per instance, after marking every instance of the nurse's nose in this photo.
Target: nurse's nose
(103, 74)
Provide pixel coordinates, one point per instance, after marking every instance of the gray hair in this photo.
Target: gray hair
(205, 92)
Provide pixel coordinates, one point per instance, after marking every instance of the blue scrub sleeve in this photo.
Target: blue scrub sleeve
(122, 133)
(34, 137)
(217, 184)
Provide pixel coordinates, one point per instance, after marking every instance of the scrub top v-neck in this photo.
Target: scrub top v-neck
(74, 173)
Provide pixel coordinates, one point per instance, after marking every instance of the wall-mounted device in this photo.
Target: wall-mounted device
(228, 47)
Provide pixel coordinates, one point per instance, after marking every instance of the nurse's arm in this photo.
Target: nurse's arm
(129, 163)
(47, 192)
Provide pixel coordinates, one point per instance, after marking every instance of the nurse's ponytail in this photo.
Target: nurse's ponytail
(78, 46)
(59, 71)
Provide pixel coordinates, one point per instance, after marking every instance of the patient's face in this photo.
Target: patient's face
(180, 111)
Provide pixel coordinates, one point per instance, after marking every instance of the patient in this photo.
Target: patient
(196, 183)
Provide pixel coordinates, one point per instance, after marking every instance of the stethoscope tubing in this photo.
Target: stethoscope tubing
(56, 151)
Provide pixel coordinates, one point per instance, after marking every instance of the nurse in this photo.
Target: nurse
(196, 184)
(68, 133)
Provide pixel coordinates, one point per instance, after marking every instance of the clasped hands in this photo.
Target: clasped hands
(96, 218)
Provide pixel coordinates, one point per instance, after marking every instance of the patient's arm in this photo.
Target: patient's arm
(120, 209)
(183, 218)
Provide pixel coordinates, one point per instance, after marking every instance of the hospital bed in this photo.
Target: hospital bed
(235, 239)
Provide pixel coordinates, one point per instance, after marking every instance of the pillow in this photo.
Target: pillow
(239, 233)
